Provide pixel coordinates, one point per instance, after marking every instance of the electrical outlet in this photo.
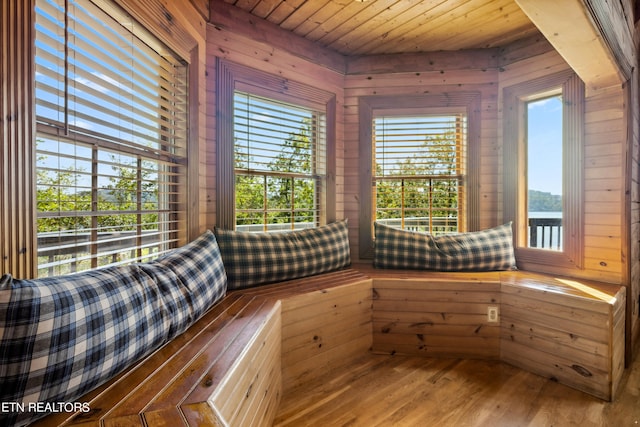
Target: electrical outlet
(492, 314)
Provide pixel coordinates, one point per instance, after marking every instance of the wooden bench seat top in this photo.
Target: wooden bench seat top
(570, 287)
(305, 285)
(576, 288)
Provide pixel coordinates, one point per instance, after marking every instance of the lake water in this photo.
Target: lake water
(545, 214)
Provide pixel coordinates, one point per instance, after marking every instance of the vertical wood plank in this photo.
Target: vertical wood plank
(17, 199)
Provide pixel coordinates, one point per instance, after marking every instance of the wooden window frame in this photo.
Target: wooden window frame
(368, 108)
(18, 221)
(514, 167)
(460, 166)
(257, 132)
(231, 77)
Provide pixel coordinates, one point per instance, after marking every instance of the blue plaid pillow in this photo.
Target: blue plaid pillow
(252, 259)
(192, 278)
(61, 337)
(485, 250)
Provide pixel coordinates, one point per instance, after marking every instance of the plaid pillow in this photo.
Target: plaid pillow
(61, 337)
(252, 259)
(192, 278)
(484, 250)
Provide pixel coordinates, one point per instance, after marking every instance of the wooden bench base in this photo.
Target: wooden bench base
(440, 315)
(231, 367)
(570, 330)
(565, 329)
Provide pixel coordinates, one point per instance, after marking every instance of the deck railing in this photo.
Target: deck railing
(545, 233)
(72, 252)
(435, 225)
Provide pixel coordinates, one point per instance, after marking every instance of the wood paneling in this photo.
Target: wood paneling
(632, 191)
(17, 138)
(357, 28)
(324, 330)
(271, 43)
(228, 19)
(203, 7)
(281, 62)
(436, 317)
(572, 331)
(426, 82)
(605, 159)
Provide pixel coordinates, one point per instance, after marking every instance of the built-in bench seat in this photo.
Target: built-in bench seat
(567, 329)
(571, 330)
(232, 366)
(226, 368)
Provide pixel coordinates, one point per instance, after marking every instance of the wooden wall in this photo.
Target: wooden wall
(238, 37)
(610, 185)
(17, 192)
(410, 75)
(633, 193)
(606, 147)
(603, 167)
(582, 31)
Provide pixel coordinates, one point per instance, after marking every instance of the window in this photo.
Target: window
(279, 164)
(544, 172)
(419, 166)
(419, 163)
(275, 151)
(543, 155)
(111, 112)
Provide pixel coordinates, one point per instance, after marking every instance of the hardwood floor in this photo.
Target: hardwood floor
(381, 390)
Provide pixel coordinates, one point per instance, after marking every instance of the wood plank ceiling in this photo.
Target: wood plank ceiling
(370, 27)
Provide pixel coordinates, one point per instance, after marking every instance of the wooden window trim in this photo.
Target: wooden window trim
(232, 76)
(369, 105)
(514, 98)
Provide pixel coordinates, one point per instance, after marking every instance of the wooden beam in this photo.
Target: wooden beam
(469, 59)
(570, 29)
(203, 7)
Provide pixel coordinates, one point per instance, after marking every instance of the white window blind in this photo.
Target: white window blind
(419, 171)
(111, 110)
(280, 164)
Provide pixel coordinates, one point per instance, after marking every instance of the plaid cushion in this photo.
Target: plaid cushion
(61, 337)
(485, 250)
(252, 259)
(192, 278)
